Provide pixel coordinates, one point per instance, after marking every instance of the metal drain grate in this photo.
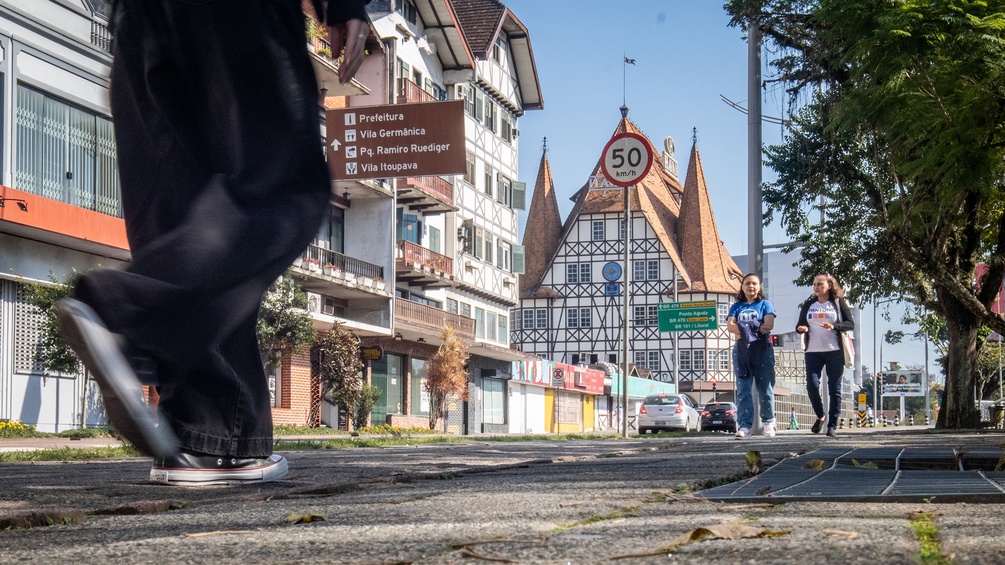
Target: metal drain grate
(887, 474)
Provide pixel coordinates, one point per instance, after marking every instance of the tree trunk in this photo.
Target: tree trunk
(959, 409)
(435, 410)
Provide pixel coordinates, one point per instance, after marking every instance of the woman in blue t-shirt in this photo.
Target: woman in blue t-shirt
(822, 317)
(751, 320)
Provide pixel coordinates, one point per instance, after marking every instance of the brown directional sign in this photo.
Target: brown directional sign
(396, 140)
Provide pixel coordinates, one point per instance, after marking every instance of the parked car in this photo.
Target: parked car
(719, 416)
(668, 411)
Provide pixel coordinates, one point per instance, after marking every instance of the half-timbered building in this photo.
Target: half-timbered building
(572, 295)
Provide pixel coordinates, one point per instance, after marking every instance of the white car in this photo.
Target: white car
(667, 411)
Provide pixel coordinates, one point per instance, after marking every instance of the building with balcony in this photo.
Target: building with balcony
(457, 257)
(61, 204)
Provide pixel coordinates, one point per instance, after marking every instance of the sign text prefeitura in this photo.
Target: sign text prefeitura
(372, 142)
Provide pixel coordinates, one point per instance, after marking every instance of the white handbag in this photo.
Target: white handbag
(847, 342)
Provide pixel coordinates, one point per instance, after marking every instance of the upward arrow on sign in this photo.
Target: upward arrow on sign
(335, 144)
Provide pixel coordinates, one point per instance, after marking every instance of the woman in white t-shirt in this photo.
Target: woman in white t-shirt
(822, 317)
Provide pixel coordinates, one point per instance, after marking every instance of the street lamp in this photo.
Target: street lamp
(875, 368)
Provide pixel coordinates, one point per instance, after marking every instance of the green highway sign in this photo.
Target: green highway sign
(687, 316)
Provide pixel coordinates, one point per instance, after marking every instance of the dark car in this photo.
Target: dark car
(719, 416)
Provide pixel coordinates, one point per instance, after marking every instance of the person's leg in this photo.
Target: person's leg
(814, 366)
(744, 402)
(835, 373)
(765, 375)
(223, 184)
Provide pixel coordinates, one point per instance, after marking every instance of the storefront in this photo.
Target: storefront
(553, 397)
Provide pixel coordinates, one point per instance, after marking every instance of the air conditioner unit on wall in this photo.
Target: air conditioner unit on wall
(313, 303)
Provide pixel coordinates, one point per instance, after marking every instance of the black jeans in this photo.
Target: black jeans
(834, 363)
(216, 116)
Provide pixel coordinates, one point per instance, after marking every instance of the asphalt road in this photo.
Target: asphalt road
(583, 501)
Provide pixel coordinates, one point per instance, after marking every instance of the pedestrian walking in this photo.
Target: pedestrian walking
(223, 180)
(750, 320)
(822, 318)
(793, 420)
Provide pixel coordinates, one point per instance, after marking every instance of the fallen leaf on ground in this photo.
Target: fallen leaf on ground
(866, 465)
(305, 518)
(724, 531)
(815, 464)
(754, 464)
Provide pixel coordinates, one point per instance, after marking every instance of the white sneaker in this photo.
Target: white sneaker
(742, 433)
(769, 429)
(186, 469)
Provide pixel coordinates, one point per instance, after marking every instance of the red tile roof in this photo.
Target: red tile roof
(543, 230)
(680, 216)
(480, 20)
(706, 260)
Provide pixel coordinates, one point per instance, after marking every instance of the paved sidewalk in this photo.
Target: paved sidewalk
(584, 501)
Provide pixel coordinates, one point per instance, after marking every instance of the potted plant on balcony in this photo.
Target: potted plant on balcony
(297, 262)
(364, 280)
(315, 31)
(379, 283)
(331, 270)
(311, 264)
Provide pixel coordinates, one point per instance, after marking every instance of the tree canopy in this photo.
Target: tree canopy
(448, 374)
(283, 321)
(901, 132)
(340, 366)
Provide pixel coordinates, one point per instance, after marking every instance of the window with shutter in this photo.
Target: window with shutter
(519, 260)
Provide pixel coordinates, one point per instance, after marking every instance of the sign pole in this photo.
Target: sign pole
(628, 157)
(627, 326)
(676, 351)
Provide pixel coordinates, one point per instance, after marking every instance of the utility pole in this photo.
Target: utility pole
(755, 216)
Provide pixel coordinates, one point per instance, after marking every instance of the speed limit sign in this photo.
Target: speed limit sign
(627, 158)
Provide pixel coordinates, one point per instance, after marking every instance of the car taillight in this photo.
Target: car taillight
(705, 413)
(730, 412)
(680, 408)
(643, 409)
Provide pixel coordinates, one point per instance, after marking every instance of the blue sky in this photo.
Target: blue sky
(686, 57)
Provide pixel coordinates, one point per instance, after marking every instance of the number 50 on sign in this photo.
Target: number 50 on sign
(627, 158)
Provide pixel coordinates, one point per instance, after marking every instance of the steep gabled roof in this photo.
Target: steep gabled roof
(706, 260)
(655, 195)
(482, 22)
(442, 26)
(543, 231)
(680, 216)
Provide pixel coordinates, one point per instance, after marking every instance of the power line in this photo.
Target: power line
(742, 110)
